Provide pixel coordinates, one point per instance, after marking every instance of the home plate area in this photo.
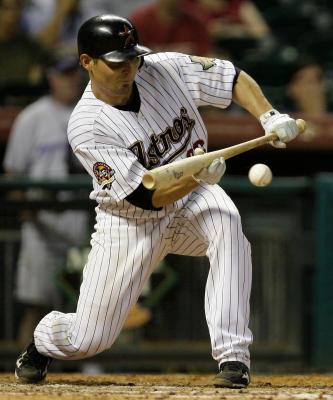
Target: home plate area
(166, 386)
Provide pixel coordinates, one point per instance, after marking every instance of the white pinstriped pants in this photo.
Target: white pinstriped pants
(125, 252)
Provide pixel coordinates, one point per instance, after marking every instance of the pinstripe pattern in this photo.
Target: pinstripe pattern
(128, 241)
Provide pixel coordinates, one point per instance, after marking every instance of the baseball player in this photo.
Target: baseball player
(139, 111)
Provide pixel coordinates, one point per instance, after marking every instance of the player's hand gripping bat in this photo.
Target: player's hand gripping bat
(169, 173)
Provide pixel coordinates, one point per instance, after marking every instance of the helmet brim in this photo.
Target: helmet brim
(126, 54)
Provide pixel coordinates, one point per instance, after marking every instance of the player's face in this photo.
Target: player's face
(113, 80)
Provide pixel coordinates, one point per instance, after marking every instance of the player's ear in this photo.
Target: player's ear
(86, 61)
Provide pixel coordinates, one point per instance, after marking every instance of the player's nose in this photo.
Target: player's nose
(126, 66)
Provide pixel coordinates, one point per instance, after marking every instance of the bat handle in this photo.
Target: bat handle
(301, 125)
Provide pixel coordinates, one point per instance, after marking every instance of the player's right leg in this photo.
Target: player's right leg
(123, 255)
(215, 217)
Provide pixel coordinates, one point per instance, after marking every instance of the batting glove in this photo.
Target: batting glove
(281, 124)
(211, 174)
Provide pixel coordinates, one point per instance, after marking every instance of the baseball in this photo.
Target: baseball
(260, 175)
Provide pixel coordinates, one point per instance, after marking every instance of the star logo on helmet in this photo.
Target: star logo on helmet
(130, 35)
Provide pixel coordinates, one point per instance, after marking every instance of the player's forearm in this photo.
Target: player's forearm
(249, 95)
(169, 194)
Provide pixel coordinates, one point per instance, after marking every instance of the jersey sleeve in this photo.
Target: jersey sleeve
(209, 81)
(115, 169)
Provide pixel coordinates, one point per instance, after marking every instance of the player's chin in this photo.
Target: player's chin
(125, 88)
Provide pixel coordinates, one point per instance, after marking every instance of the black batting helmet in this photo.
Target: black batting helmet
(111, 38)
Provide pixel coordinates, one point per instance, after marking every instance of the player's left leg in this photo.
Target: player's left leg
(213, 215)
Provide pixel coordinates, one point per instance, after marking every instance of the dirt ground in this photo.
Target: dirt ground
(131, 386)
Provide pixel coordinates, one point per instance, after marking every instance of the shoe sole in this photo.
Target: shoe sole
(218, 382)
(26, 380)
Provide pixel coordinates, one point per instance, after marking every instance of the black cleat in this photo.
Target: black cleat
(31, 366)
(233, 374)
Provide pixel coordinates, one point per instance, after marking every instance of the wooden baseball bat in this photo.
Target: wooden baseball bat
(179, 169)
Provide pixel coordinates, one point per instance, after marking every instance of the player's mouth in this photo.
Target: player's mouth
(126, 80)
(126, 83)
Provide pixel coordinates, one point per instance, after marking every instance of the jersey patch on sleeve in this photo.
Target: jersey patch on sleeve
(104, 174)
(204, 61)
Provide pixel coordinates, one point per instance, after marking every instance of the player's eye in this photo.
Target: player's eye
(119, 65)
(113, 65)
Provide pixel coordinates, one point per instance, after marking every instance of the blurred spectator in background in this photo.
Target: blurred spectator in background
(38, 148)
(306, 89)
(230, 18)
(55, 22)
(126, 8)
(237, 28)
(167, 25)
(21, 62)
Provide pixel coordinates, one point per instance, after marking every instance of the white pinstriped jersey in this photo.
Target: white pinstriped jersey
(116, 147)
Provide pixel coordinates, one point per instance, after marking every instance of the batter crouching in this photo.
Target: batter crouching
(139, 111)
